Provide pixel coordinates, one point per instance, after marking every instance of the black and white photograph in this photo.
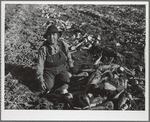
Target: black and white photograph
(79, 60)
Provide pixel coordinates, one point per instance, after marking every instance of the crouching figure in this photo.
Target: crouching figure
(53, 57)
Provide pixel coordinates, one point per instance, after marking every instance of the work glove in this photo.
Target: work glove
(73, 70)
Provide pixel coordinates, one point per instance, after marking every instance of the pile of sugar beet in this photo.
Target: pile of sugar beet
(99, 85)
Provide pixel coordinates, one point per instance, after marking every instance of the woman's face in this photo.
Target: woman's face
(53, 38)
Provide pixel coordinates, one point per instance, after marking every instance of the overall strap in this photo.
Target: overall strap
(57, 59)
(62, 47)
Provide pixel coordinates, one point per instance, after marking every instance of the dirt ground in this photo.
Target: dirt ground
(113, 34)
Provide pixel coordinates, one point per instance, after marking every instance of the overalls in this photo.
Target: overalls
(55, 67)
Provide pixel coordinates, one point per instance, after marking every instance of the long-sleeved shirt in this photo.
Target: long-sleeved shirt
(42, 58)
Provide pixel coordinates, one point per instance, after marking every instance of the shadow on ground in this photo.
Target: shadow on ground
(25, 75)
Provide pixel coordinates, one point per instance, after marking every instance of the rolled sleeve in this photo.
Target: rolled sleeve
(40, 64)
(68, 54)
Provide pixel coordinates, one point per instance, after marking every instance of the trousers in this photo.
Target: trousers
(55, 74)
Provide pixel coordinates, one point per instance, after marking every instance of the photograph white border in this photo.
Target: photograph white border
(77, 115)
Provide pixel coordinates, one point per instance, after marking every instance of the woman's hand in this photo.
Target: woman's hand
(42, 85)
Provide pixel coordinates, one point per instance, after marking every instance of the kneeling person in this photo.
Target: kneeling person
(53, 57)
